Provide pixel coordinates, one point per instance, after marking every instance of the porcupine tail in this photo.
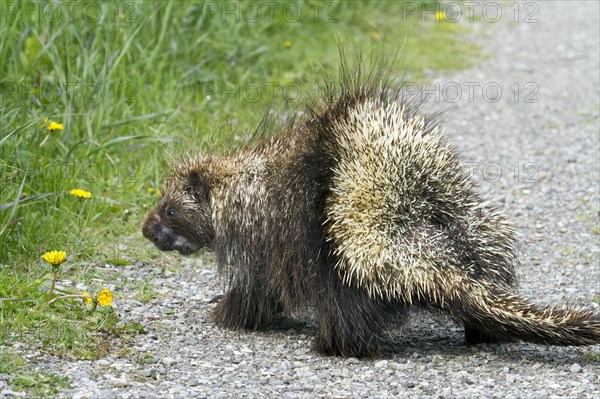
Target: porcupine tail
(498, 311)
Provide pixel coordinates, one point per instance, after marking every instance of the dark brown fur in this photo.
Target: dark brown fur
(262, 211)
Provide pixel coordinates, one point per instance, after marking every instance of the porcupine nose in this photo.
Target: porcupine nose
(162, 236)
(148, 227)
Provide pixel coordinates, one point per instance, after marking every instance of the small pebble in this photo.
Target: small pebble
(575, 368)
(168, 361)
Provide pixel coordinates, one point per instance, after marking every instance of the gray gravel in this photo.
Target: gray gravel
(539, 161)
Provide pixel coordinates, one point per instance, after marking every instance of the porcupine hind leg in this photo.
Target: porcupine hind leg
(350, 322)
(474, 336)
(492, 240)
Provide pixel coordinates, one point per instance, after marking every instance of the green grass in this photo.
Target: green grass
(24, 377)
(130, 88)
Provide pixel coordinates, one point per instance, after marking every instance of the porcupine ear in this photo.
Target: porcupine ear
(199, 186)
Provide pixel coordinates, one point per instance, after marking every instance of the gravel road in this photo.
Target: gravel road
(536, 154)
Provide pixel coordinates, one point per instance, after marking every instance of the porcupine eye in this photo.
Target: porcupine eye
(170, 212)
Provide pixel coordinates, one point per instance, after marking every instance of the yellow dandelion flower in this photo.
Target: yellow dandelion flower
(105, 297)
(440, 16)
(55, 258)
(88, 297)
(79, 193)
(375, 35)
(155, 191)
(52, 126)
(287, 44)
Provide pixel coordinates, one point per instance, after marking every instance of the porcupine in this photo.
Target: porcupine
(359, 209)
